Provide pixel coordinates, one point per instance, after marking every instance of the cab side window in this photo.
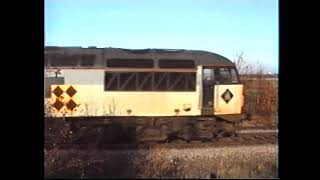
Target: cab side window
(234, 76)
(226, 76)
(208, 74)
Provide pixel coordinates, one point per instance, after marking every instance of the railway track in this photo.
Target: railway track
(242, 137)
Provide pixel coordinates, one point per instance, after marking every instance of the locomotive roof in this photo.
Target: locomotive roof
(101, 55)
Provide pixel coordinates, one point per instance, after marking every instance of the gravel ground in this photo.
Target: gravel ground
(255, 161)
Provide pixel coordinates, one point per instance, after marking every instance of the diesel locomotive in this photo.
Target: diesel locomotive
(142, 94)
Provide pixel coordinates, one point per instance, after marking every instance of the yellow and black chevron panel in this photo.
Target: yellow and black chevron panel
(64, 98)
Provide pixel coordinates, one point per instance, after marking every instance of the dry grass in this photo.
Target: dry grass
(260, 97)
(161, 163)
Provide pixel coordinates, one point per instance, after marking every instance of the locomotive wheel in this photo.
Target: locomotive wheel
(226, 129)
(151, 134)
(204, 135)
(204, 125)
(187, 133)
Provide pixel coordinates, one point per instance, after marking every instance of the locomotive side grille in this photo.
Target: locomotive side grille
(150, 81)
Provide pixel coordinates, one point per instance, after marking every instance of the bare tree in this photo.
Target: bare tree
(242, 65)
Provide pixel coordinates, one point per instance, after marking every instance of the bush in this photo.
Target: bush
(260, 94)
(260, 97)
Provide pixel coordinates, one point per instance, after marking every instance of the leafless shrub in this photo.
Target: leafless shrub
(243, 66)
(260, 93)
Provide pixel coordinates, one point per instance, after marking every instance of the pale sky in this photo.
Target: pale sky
(225, 27)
